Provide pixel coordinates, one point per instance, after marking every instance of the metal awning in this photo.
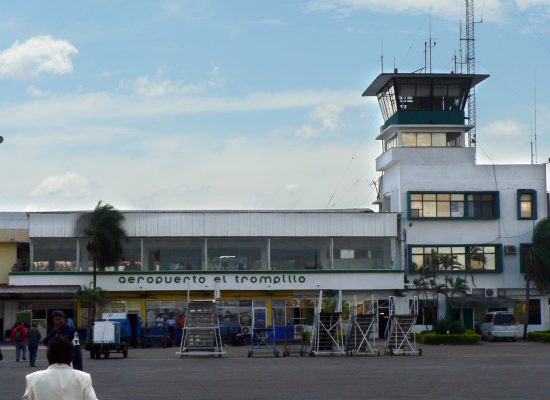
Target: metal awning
(38, 290)
(482, 301)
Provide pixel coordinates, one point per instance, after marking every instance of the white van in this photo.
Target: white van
(499, 325)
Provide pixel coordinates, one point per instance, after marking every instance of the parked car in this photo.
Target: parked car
(499, 325)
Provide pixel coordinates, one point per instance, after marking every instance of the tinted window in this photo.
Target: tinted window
(504, 319)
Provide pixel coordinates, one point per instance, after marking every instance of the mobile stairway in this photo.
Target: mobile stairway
(201, 333)
(327, 333)
(400, 337)
(361, 338)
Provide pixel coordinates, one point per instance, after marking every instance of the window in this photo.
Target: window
(478, 258)
(362, 253)
(431, 139)
(237, 254)
(54, 254)
(299, 253)
(453, 205)
(390, 143)
(527, 204)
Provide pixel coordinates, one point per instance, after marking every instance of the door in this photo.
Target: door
(383, 317)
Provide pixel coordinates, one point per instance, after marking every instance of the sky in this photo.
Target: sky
(213, 104)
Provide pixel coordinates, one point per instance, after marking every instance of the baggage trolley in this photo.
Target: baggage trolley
(262, 340)
(295, 338)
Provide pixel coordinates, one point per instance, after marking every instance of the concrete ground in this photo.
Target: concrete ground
(501, 370)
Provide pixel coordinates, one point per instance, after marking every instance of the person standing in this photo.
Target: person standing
(59, 381)
(33, 336)
(19, 337)
(60, 328)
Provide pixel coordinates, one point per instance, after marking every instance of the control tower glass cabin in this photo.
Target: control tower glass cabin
(423, 109)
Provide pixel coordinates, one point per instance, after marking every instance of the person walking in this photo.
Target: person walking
(60, 328)
(19, 337)
(59, 381)
(33, 336)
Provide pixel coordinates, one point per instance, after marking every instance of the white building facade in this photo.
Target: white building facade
(481, 214)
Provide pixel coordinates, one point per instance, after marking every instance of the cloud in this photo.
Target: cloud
(506, 127)
(36, 56)
(324, 118)
(523, 5)
(307, 131)
(70, 185)
(82, 108)
(36, 92)
(448, 9)
(328, 115)
(148, 87)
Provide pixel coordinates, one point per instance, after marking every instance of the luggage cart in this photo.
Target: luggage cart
(400, 337)
(201, 333)
(262, 340)
(153, 334)
(362, 323)
(295, 339)
(327, 336)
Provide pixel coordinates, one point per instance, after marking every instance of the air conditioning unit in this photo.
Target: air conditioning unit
(510, 250)
(246, 330)
(490, 292)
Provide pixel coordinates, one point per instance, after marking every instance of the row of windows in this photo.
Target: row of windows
(476, 258)
(453, 205)
(466, 205)
(219, 254)
(425, 139)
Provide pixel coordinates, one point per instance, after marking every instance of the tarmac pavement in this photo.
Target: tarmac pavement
(501, 370)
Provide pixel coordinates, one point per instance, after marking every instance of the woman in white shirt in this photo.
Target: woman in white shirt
(60, 381)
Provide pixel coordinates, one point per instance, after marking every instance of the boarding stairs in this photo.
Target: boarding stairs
(361, 331)
(400, 337)
(327, 337)
(201, 334)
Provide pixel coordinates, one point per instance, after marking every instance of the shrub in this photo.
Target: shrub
(539, 336)
(445, 326)
(468, 337)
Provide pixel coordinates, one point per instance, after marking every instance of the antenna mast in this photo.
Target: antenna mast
(471, 69)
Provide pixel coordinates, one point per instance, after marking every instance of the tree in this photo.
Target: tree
(92, 297)
(105, 235)
(432, 285)
(446, 263)
(537, 264)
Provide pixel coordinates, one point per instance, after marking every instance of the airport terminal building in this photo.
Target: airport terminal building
(433, 198)
(261, 261)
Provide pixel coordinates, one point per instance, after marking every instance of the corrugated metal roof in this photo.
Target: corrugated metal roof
(14, 220)
(320, 223)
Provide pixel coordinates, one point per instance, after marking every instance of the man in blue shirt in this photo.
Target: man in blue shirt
(60, 328)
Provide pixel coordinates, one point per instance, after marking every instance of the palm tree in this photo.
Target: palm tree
(537, 264)
(105, 235)
(446, 263)
(92, 297)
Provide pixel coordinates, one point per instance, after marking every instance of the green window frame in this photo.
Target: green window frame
(482, 258)
(527, 204)
(453, 205)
